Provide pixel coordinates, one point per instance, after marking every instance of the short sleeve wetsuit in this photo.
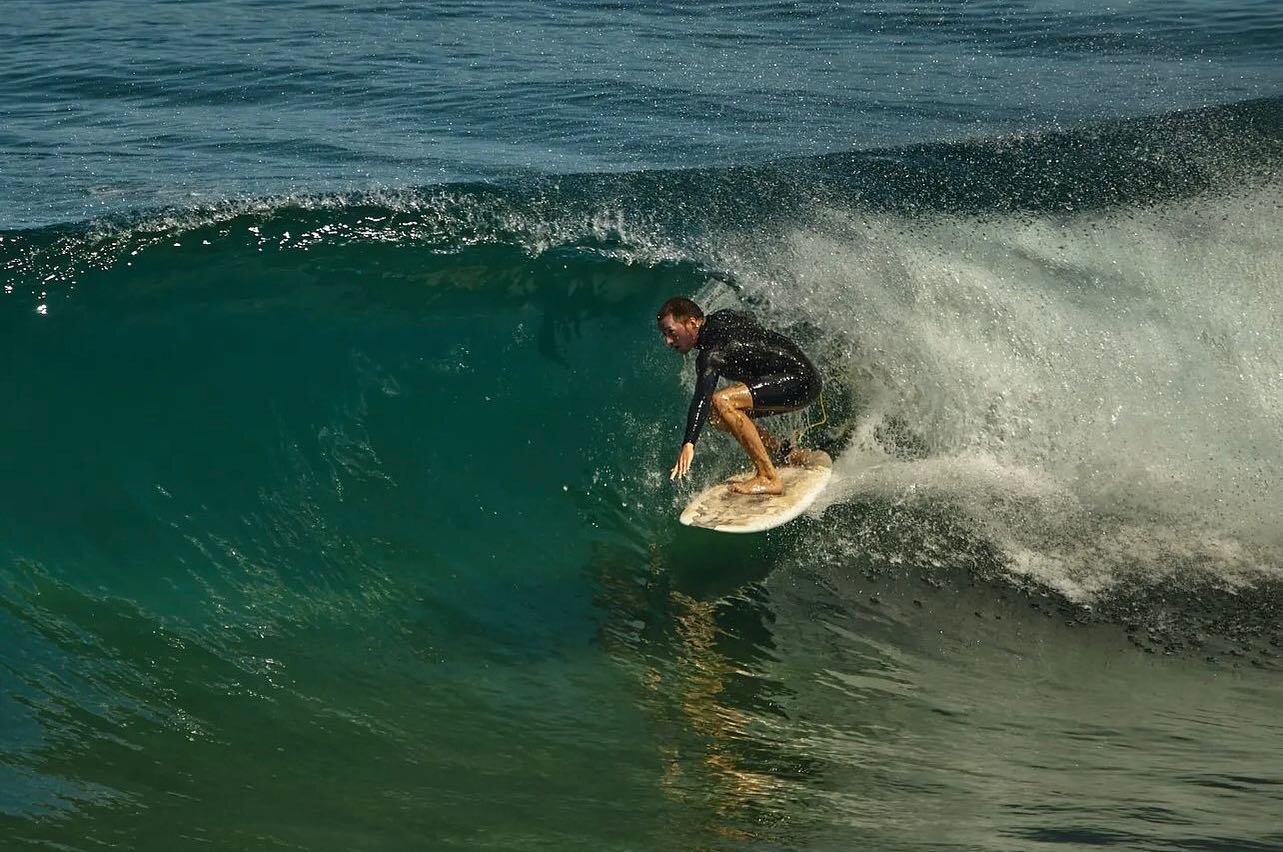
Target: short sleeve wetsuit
(732, 344)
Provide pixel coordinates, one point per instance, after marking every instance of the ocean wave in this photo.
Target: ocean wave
(1067, 342)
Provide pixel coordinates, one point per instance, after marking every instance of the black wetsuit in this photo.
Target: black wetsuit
(732, 344)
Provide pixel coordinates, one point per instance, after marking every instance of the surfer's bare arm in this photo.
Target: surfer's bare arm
(697, 416)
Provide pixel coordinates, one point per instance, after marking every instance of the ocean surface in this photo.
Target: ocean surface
(334, 448)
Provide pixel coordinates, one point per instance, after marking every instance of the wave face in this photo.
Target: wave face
(312, 474)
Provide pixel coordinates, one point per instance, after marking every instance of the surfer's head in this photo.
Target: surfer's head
(679, 320)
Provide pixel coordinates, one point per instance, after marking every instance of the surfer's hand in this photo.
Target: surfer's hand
(683, 465)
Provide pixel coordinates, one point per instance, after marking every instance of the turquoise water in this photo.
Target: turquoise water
(336, 512)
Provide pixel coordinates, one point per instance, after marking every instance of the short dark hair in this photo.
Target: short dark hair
(679, 308)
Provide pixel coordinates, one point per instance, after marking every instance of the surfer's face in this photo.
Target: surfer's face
(680, 335)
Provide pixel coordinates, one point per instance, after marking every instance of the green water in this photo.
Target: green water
(344, 522)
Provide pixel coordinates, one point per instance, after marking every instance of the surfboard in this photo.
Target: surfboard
(719, 508)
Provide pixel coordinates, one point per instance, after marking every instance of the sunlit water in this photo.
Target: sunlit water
(335, 510)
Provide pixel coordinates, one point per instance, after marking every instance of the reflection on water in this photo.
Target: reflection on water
(807, 703)
(701, 662)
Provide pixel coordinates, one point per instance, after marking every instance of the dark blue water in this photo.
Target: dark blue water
(111, 106)
(334, 507)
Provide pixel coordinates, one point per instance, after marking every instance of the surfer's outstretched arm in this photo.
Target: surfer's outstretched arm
(697, 416)
(702, 398)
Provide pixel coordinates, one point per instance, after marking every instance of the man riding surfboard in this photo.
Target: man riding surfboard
(769, 375)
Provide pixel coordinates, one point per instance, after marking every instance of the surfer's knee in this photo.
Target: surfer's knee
(724, 405)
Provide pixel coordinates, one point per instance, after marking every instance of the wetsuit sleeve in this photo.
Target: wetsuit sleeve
(705, 384)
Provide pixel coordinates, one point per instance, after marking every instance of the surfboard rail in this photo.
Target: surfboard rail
(720, 509)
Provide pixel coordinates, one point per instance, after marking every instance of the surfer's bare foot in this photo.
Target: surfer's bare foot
(800, 457)
(758, 485)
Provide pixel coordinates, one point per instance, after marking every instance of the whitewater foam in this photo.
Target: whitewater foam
(1097, 395)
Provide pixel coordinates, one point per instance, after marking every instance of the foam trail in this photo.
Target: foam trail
(1100, 396)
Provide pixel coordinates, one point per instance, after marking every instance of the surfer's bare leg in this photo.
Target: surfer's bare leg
(732, 405)
(772, 443)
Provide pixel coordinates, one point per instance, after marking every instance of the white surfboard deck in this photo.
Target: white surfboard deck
(719, 508)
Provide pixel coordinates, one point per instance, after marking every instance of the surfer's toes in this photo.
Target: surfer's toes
(758, 485)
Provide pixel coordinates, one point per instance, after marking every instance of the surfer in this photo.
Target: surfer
(770, 375)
